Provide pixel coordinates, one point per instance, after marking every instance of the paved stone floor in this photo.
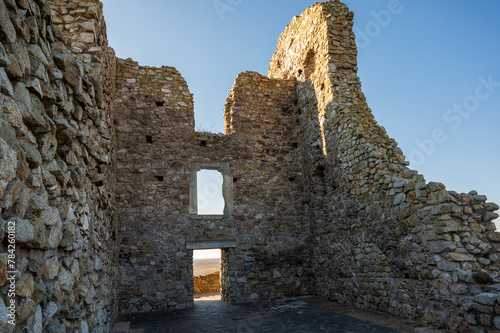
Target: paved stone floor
(304, 314)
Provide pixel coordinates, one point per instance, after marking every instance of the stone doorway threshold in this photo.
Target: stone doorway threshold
(202, 297)
(294, 315)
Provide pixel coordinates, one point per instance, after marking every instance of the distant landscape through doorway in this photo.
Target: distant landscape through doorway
(206, 274)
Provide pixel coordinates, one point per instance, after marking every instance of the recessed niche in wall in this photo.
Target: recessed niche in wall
(160, 103)
(319, 172)
(310, 63)
(149, 139)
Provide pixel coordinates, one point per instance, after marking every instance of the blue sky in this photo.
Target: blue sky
(429, 69)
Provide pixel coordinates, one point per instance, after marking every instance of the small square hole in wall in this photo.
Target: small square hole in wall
(235, 180)
(160, 178)
(160, 103)
(295, 145)
(319, 171)
(203, 143)
(149, 139)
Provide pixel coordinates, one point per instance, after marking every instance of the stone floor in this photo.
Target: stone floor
(304, 314)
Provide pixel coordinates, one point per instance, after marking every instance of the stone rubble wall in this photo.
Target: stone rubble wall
(158, 147)
(56, 170)
(207, 283)
(384, 238)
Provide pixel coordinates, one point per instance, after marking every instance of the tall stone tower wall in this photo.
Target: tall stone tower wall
(383, 237)
(56, 170)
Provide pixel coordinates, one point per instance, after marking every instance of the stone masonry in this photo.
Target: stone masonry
(207, 283)
(382, 237)
(56, 167)
(154, 167)
(98, 164)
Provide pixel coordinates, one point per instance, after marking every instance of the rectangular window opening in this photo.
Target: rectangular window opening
(207, 275)
(209, 192)
(149, 138)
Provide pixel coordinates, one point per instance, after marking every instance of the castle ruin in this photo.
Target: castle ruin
(98, 164)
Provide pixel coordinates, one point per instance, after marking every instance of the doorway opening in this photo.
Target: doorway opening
(224, 254)
(207, 275)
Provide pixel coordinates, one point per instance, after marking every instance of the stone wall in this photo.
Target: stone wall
(383, 237)
(159, 152)
(207, 283)
(55, 171)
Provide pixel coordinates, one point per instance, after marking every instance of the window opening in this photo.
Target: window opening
(310, 63)
(149, 139)
(209, 192)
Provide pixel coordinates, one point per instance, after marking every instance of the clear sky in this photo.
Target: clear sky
(430, 69)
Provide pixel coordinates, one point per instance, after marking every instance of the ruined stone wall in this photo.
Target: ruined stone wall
(55, 172)
(159, 152)
(385, 239)
(207, 283)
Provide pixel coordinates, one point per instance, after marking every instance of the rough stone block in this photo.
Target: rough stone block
(50, 268)
(55, 328)
(5, 326)
(8, 163)
(25, 310)
(25, 285)
(25, 232)
(50, 310)
(35, 322)
(49, 216)
(457, 256)
(441, 246)
(66, 279)
(6, 26)
(11, 194)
